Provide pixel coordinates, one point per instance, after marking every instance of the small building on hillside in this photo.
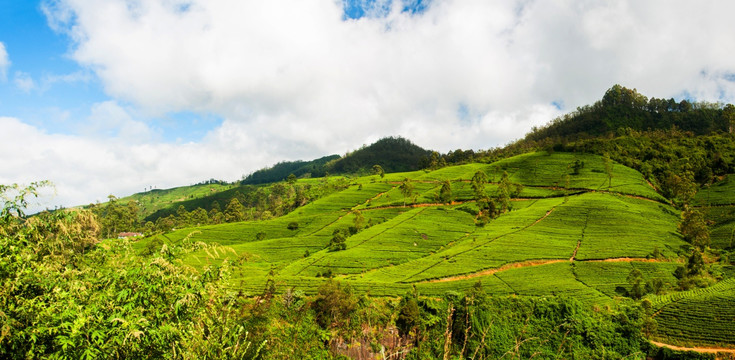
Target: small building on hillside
(126, 235)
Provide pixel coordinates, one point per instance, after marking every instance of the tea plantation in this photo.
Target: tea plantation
(572, 230)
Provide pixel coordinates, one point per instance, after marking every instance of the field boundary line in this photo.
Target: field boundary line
(505, 283)
(329, 224)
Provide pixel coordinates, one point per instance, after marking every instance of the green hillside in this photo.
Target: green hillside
(586, 218)
(158, 199)
(281, 171)
(570, 232)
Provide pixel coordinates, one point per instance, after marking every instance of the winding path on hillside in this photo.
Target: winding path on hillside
(529, 263)
(705, 350)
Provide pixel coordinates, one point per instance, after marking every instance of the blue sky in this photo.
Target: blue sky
(110, 97)
(63, 91)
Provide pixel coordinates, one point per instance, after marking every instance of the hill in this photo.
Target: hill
(393, 154)
(623, 108)
(280, 171)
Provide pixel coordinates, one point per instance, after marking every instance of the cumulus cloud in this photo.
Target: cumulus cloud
(86, 169)
(4, 62)
(307, 75)
(298, 79)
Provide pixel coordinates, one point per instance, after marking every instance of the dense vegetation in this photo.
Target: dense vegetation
(393, 154)
(281, 171)
(622, 108)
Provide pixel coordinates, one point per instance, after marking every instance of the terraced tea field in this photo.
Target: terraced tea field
(698, 317)
(577, 235)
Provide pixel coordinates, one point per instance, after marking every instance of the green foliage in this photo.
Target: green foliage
(622, 108)
(502, 200)
(338, 240)
(282, 170)
(64, 295)
(637, 284)
(577, 166)
(496, 327)
(694, 229)
(334, 305)
(378, 170)
(234, 211)
(409, 318)
(407, 189)
(445, 193)
(478, 184)
(393, 154)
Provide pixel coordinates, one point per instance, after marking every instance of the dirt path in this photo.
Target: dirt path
(492, 271)
(574, 255)
(528, 263)
(707, 350)
(543, 217)
(626, 259)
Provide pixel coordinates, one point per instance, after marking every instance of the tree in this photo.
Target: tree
(215, 214)
(378, 170)
(234, 211)
(694, 228)
(131, 215)
(729, 114)
(337, 242)
(359, 219)
(577, 166)
(291, 179)
(199, 217)
(504, 191)
(334, 305)
(406, 189)
(695, 263)
(445, 193)
(182, 216)
(434, 160)
(637, 283)
(608, 168)
(409, 316)
(478, 184)
(681, 187)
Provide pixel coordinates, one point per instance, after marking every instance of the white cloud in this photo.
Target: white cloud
(110, 120)
(304, 74)
(4, 62)
(50, 80)
(294, 80)
(86, 169)
(24, 81)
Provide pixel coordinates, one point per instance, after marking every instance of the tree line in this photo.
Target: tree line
(257, 203)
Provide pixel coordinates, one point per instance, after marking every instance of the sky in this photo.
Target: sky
(118, 96)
